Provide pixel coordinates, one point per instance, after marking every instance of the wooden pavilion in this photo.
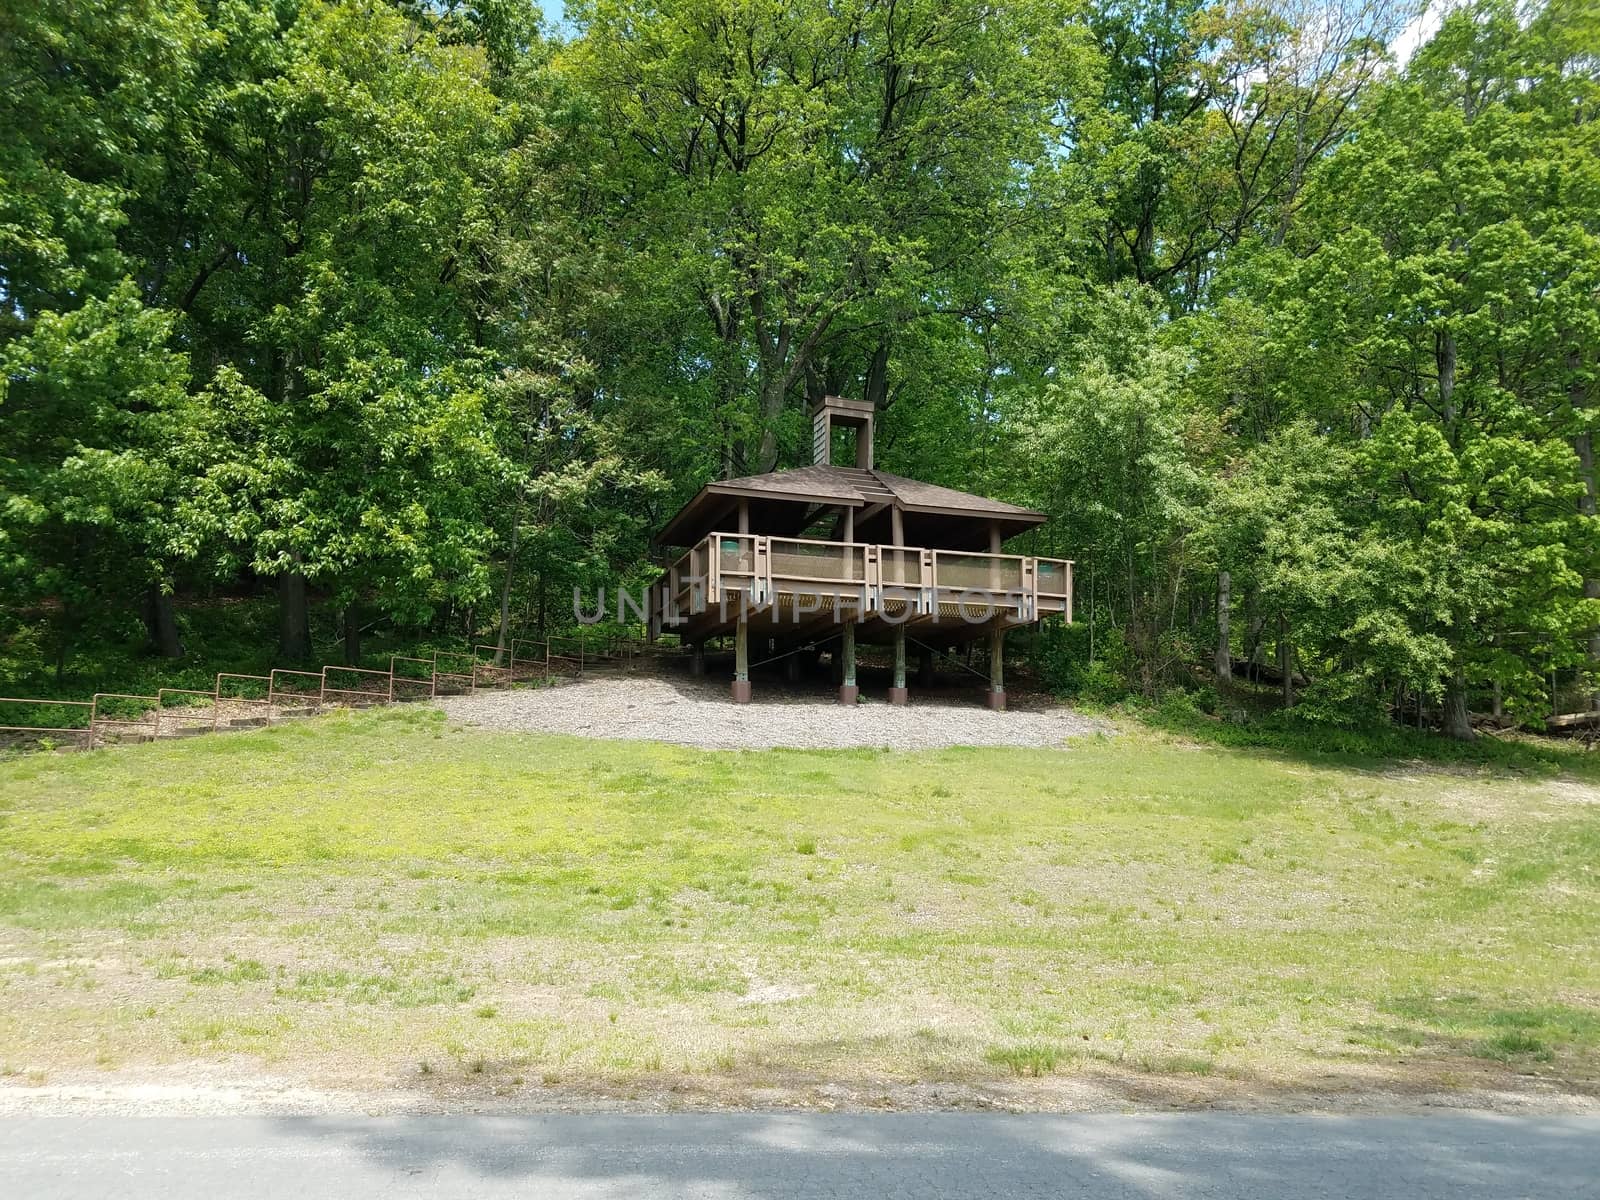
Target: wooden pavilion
(850, 553)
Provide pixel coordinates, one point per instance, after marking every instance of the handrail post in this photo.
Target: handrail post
(761, 572)
(713, 545)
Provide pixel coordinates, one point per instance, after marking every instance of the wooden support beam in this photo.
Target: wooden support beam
(849, 693)
(898, 693)
(997, 669)
(741, 662)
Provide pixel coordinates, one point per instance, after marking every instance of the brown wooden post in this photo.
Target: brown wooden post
(849, 523)
(925, 667)
(744, 516)
(996, 697)
(697, 659)
(741, 661)
(898, 693)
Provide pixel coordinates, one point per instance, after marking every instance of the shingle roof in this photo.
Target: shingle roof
(857, 487)
(867, 486)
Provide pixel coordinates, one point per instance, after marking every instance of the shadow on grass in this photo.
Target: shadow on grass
(1464, 1027)
(1372, 749)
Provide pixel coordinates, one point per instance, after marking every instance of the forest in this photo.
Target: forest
(420, 314)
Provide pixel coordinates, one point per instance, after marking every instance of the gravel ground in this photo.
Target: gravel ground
(697, 712)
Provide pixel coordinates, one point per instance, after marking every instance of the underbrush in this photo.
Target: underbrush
(1199, 715)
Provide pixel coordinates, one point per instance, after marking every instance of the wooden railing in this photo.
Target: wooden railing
(725, 569)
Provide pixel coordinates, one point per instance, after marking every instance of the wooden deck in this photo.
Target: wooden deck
(799, 587)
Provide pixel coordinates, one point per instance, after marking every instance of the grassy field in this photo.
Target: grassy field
(382, 901)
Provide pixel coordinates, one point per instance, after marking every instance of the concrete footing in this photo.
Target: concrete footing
(849, 693)
(899, 695)
(741, 691)
(995, 700)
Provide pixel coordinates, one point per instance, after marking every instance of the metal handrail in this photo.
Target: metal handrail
(163, 693)
(387, 694)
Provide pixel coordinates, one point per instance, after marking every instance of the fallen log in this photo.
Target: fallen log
(1583, 720)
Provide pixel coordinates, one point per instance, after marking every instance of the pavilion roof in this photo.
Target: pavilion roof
(789, 498)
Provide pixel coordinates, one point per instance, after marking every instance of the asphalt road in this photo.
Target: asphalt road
(719, 1157)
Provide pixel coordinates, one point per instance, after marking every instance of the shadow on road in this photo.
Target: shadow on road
(947, 1154)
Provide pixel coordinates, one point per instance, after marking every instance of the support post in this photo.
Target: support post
(741, 662)
(925, 667)
(697, 659)
(994, 567)
(996, 698)
(898, 693)
(848, 691)
(791, 667)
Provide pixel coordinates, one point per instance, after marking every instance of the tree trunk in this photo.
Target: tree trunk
(1584, 445)
(773, 392)
(1224, 656)
(1286, 662)
(876, 388)
(64, 632)
(1445, 358)
(1456, 723)
(352, 636)
(294, 619)
(503, 642)
(161, 622)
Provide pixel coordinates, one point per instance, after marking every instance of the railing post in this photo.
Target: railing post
(872, 577)
(761, 566)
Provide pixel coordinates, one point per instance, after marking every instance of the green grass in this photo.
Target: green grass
(343, 899)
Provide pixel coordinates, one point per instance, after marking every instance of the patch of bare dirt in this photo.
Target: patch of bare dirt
(239, 1088)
